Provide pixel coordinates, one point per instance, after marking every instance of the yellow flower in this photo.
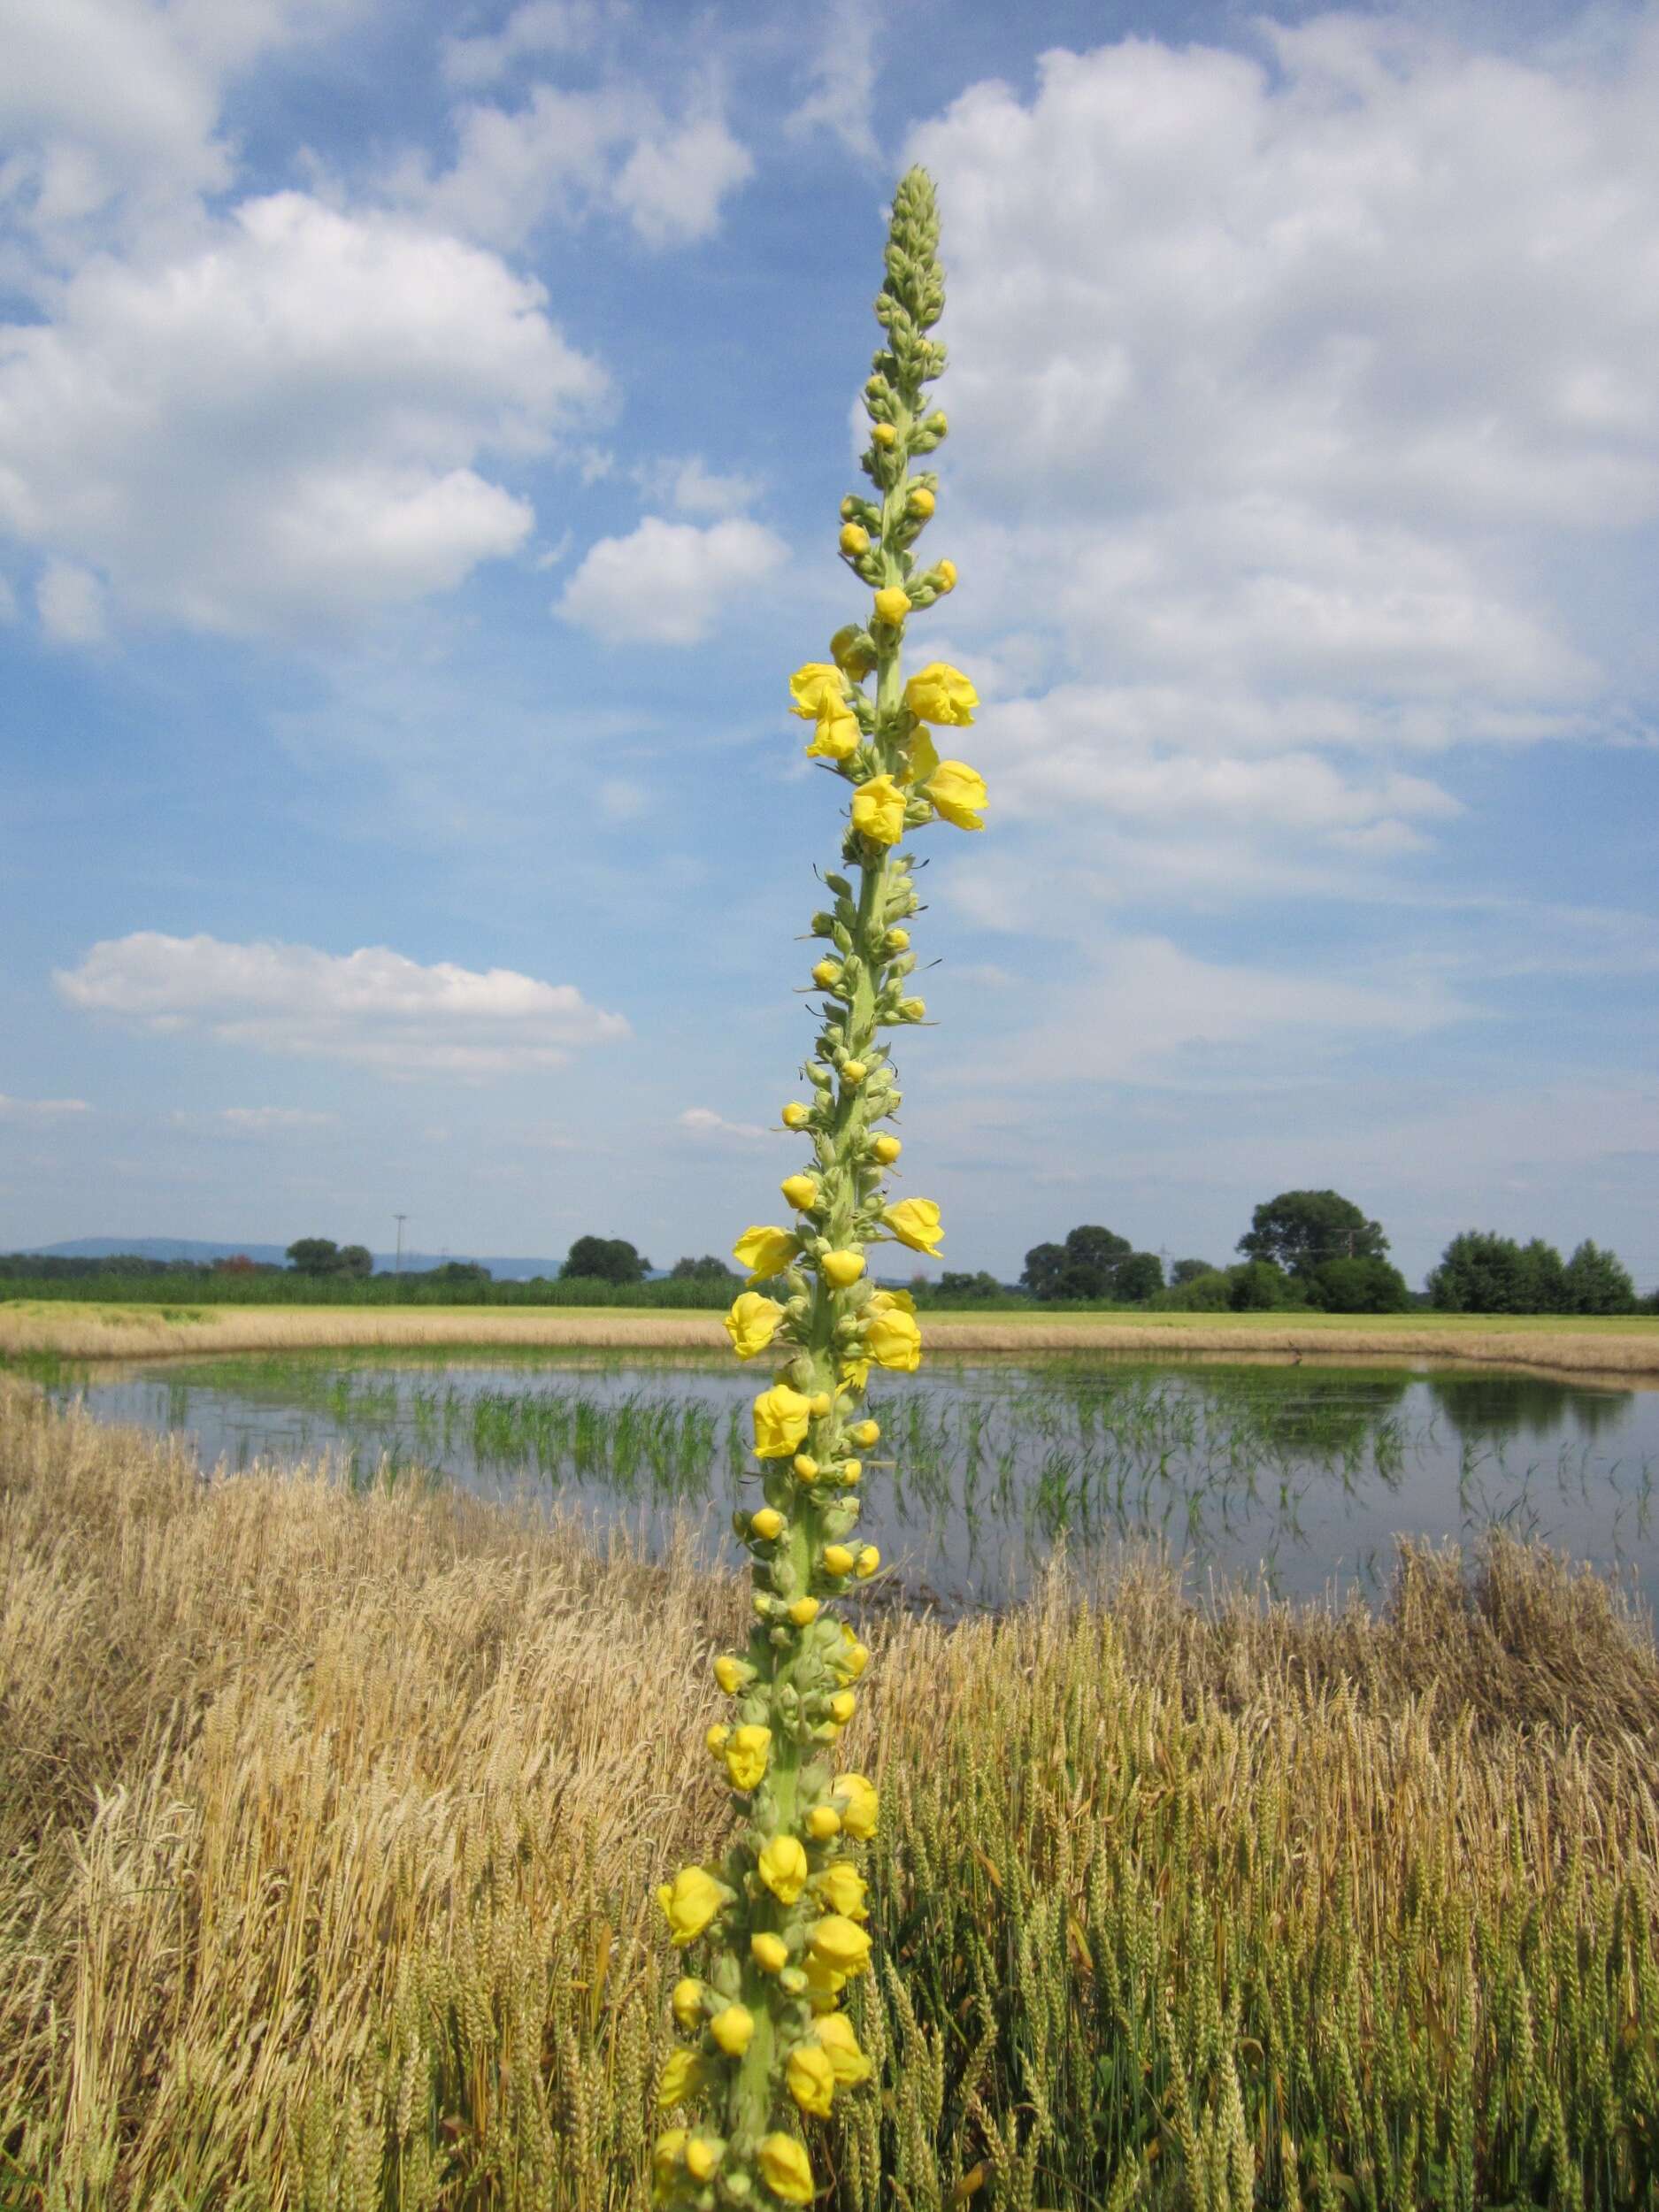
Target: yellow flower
(786, 2169)
(766, 1525)
(839, 1268)
(819, 1402)
(667, 2156)
(942, 694)
(853, 1073)
(839, 1888)
(823, 1985)
(921, 501)
(892, 605)
(819, 684)
(769, 1952)
(746, 1756)
(733, 1674)
(714, 1741)
(843, 1705)
(921, 757)
(780, 1421)
(782, 1867)
(828, 974)
(878, 812)
(915, 1222)
(803, 1612)
(868, 1560)
(893, 1338)
(794, 1115)
(851, 1469)
(682, 2078)
(946, 573)
(765, 1252)
(853, 651)
(835, 737)
(752, 1323)
(884, 434)
(733, 2030)
(804, 1466)
(811, 2079)
(886, 1149)
(837, 1560)
(859, 1802)
(801, 1191)
(896, 939)
(852, 1657)
(854, 1373)
(958, 792)
(703, 2157)
(687, 2002)
(840, 1943)
(822, 1823)
(864, 1434)
(690, 1902)
(854, 540)
(834, 2033)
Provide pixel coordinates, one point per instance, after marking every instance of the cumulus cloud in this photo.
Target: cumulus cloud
(563, 155)
(40, 1109)
(372, 1007)
(541, 26)
(843, 81)
(703, 1124)
(70, 602)
(663, 583)
(284, 423)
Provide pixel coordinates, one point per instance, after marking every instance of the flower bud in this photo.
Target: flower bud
(801, 1191)
(733, 2030)
(868, 1560)
(842, 1269)
(849, 507)
(865, 1433)
(843, 1705)
(769, 1952)
(938, 422)
(822, 1823)
(804, 1611)
(715, 1739)
(837, 1560)
(703, 2157)
(811, 2079)
(854, 540)
(851, 1469)
(946, 571)
(805, 1466)
(828, 974)
(687, 1998)
(734, 1674)
(795, 1116)
(892, 605)
(897, 940)
(792, 1981)
(921, 501)
(887, 1149)
(912, 1010)
(884, 435)
(819, 1404)
(852, 651)
(766, 1525)
(853, 1073)
(782, 1867)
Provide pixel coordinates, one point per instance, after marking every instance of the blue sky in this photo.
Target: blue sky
(421, 437)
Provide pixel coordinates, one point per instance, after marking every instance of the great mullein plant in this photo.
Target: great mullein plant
(774, 1930)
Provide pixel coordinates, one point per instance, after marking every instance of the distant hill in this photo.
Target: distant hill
(201, 1255)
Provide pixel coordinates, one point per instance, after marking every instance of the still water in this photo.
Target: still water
(1301, 1475)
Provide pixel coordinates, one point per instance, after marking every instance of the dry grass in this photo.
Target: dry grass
(1623, 1349)
(327, 1827)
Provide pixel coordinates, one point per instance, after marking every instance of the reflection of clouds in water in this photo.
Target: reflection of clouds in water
(1308, 1473)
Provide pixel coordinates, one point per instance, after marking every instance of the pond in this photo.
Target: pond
(1303, 1475)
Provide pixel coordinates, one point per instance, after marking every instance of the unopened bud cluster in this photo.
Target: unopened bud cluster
(774, 1932)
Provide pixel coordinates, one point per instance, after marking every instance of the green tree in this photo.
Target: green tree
(355, 1260)
(1359, 1287)
(314, 1256)
(710, 1268)
(1137, 1277)
(459, 1271)
(604, 1260)
(1480, 1271)
(1301, 1229)
(1598, 1282)
(1084, 1266)
(958, 1287)
(1545, 1279)
(1262, 1286)
(1188, 1271)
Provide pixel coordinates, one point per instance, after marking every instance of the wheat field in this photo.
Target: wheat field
(328, 1825)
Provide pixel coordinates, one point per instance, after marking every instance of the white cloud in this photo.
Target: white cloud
(564, 155)
(541, 26)
(707, 1128)
(70, 602)
(285, 423)
(843, 81)
(372, 1007)
(665, 583)
(40, 1109)
(697, 489)
(258, 1121)
(1150, 1010)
